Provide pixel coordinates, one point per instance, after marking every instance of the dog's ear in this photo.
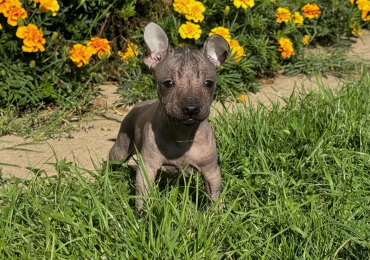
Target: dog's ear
(216, 49)
(156, 44)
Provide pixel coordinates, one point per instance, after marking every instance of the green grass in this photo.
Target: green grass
(296, 185)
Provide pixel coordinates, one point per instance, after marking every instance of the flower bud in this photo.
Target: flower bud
(81, 2)
(54, 36)
(2, 72)
(32, 64)
(20, 22)
(226, 11)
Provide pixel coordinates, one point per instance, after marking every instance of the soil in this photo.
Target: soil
(96, 135)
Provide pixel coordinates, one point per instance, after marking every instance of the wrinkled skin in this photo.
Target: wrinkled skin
(168, 136)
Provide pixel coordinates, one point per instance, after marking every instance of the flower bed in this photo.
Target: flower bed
(52, 48)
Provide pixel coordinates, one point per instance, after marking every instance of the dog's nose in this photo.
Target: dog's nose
(191, 109)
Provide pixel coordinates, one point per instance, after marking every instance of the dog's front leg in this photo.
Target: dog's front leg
(212, 181)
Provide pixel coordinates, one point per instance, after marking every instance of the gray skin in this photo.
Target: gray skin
(172, 133)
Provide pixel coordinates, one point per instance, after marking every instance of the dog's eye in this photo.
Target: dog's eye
(169, 84)
(208, 84)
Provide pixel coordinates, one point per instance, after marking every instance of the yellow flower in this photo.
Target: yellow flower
(80, 54)
(181, 6)
(13, 13)
(99, 45)
(286, 47)
(1, 27)
(237, 49)
(305, 39)
(364, 7)
(298, 18)
(6, 4)
(224, 32)
(190, 30)
(311, 11)
(130, 52)
(242, 98)
(352, 1)
(33, 39)
(195, 12)
(49, 5)
(243, 3)
(355, 30)
(283, 15)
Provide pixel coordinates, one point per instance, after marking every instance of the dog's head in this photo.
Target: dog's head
(185, 77)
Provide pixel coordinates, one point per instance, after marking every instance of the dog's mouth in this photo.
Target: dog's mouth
(191, 121)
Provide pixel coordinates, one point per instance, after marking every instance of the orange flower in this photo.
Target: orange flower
(13, 13)
(99, 45)
(6, 4)
(283, 15)
(1, 27)
(364, 7)
(311, 11)
(80, 54)
(130, 52)
(286, 47)
(33, 38)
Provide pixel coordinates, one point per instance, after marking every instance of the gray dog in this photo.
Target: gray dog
(172, 133)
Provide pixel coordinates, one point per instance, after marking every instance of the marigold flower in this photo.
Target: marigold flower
(190, 30)
(130, 52)
(99, 45)
(305, 39)
(181, 6)
(355, 29)
(224, 32)
(33, 39)
(195, 12)
(352, 1)
(49, 5)
(364, 7)
(1, 27)
(13, 13)
(243, 3)
(237, 49)
(298, 18)
(242, 98)
(80, 54)
(283, 15)
(286, 47)
(6, 4)
(311, 11)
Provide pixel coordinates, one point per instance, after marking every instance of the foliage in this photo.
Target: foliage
(260, 27)
(295, 186)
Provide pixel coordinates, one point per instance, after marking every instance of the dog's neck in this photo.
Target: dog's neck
(175, 130)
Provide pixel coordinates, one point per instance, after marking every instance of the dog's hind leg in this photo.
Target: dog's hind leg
(123, 147)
